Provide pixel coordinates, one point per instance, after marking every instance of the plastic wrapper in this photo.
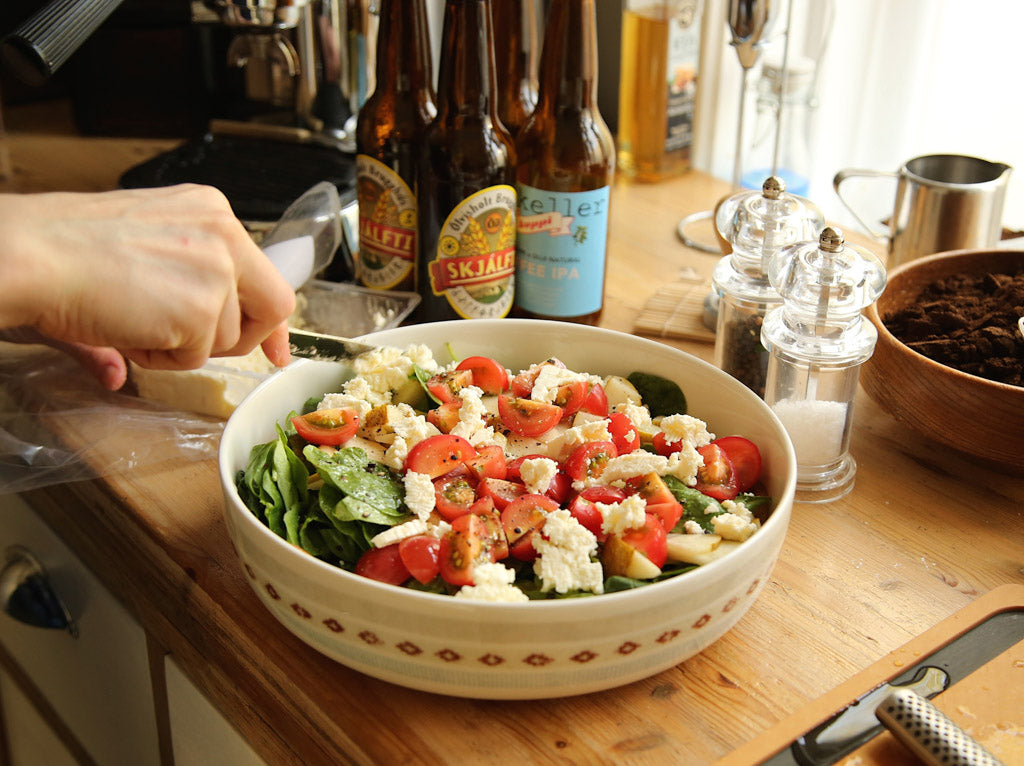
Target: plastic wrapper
(57, 424)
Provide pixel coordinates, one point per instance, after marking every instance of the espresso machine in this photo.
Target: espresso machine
(306, 66)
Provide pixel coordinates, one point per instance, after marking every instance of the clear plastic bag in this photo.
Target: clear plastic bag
(57, 424)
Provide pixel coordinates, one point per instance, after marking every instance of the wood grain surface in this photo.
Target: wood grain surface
(924, 533)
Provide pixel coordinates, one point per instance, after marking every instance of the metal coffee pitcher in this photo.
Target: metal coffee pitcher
(943, 202)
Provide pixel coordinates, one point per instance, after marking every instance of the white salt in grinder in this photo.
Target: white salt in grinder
(756, 224)
(817, 341)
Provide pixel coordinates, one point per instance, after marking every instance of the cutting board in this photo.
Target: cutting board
(988, 704)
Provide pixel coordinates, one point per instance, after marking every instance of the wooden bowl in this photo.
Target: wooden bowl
(975, 416)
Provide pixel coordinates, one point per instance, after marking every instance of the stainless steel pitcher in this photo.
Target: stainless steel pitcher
(943, 202)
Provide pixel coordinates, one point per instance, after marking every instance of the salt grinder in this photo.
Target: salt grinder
(756, 224)
(817, 340)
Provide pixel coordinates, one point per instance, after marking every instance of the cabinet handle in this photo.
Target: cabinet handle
(28, 596)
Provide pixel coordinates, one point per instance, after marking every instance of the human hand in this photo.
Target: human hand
(168, 277)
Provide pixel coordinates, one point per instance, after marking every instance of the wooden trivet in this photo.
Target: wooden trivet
(677, 311)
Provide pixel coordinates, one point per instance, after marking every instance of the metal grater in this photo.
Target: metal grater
(928, 733)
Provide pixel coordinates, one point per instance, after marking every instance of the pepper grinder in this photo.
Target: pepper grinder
(817, 340)
(756, 224)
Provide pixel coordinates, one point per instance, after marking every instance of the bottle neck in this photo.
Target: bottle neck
(568, 65)
(403, 47)
(466, 82)
(516, 62)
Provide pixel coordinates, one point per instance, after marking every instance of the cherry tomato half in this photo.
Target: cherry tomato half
(420, 556)
(489, 463)
(586, 513)
(454, 494)
(716, 478)
(650, 539)
(745, 458)
(596, 402)
(527, 417)
(500, 491)
(445, 386)
(653, 489)
(445, 416)
(488, 375)
(437, 455)
(587, 461)
(663, 446)
(331, 426)
(521, 518)
(571, 396)
(625, 437)
(522, 384)
(461, 548)
(668, 513)
(383, 564)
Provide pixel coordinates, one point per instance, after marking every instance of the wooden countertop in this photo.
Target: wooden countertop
(923, 533)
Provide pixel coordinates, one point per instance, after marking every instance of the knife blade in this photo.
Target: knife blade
(325, 348)
(856, 724)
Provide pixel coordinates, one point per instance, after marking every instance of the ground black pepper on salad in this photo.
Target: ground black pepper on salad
(470, 480)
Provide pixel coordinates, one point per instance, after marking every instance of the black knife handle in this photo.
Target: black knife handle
(38, 48)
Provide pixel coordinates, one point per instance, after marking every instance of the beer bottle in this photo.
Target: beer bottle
(566, 161)
(515, 60)
(465, 183)
(390, 132)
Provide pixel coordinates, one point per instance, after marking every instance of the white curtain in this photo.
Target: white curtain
(899, 79)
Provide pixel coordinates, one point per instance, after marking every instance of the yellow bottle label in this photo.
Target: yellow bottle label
(476, 250)
(387, 224)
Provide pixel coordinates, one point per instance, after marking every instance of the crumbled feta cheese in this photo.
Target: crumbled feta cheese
(731, 526)
(345, 402)
(684, 465)
(593, 431)
(627, 466)
(691, 527)
(399, 532)
(492, 582)
(550, 379)
(537, 474)
(419, 494)
(564, 555)
(640, 417)
(472, 425)
(383, 370)
(686, 429)
(619, 517)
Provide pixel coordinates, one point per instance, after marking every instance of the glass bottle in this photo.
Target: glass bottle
(566, 161)
(818, 339)
(756, 225)
(515, 60)
(465, 182)
(658, 86)
(389, 137)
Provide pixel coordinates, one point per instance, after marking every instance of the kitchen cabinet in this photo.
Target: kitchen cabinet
(30, 740)
(200, 734)
(96, 685)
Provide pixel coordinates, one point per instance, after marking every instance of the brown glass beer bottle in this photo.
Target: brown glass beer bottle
(390, 132)
(465, 183)
(566, 161)
(515, 60)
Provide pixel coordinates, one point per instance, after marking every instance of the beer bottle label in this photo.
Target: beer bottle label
(560, 251)
(475, 264)
(387, 225)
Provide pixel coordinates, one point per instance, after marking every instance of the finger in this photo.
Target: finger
(275, 346)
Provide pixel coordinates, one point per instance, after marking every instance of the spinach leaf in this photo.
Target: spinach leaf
(696, 505)
(363, 491)
(661, 395)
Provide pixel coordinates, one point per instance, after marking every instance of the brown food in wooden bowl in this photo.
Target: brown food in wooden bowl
(965, 401)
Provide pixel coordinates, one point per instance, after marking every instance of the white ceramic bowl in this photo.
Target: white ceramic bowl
(511, 651)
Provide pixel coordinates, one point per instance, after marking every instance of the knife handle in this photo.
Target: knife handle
(928, 733)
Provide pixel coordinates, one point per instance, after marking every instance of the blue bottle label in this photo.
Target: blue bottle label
(561, 243)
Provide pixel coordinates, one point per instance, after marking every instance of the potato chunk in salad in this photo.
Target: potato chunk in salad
(484, 483)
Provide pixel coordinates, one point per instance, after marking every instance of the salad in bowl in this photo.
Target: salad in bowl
(572, 510)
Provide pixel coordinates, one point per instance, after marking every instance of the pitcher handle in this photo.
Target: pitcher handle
(843, 175)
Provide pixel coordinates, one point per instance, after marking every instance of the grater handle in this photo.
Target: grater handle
(928, 733)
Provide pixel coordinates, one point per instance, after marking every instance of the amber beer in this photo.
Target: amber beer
(390, 133)
(465, 186)
(515, 60)
(566, 161)
(657, 86)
